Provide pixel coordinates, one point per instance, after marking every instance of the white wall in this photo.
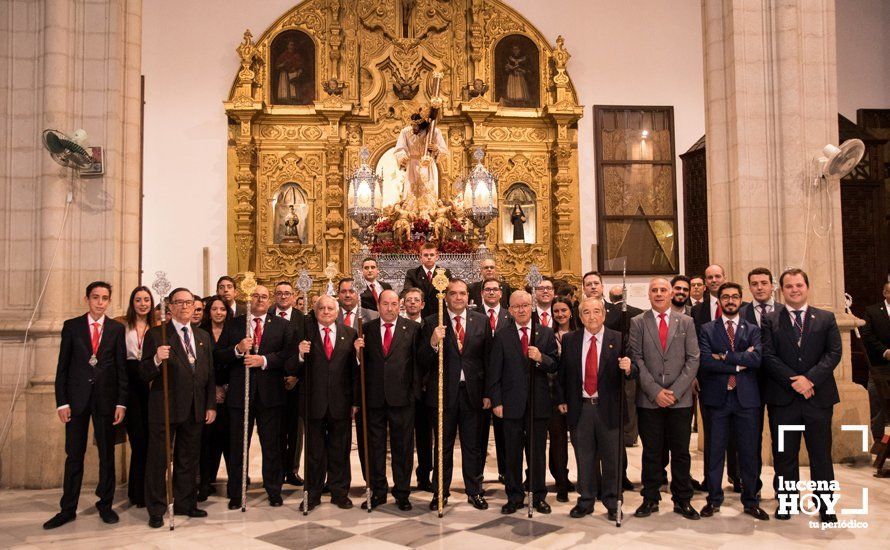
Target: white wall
(863, 55)
(647, 54)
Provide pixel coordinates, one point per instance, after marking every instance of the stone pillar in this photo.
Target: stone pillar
(771, 105)
(73, 65)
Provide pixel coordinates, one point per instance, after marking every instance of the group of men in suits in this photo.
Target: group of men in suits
(501, 366)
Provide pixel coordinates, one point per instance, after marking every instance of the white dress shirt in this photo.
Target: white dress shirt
(392, 329)
(714, 304)
(803, 315)
(463, 324)
(549, 316)
(287, 313)
(887, 307)
(585, 349)
(667, 318)
(497, 313)
(134, 343)
(355, 314)
(771, 306)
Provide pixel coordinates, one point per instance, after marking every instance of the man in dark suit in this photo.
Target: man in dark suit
(264, 353)
(664, 350)
(876, 338)
(696, 289)
(590, 392)
(225, 288)
(291, 423)
(412, 298)
(422, 277)
(91, 383)
(544, 294)
(328, 354)
(801, 349)
(518, 347)
(730, 358)
(613, 309)
(371, 294)
(390, 348)
(498, 317)
(466, 338)
(192, 395)
(489, 270)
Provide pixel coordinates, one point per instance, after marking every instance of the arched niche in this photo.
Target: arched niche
(292, 69)
(290, 215)
(517, 72)
(518, 215)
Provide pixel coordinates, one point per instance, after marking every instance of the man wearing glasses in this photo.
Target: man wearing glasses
(489, 270)
(498, 317)
(264, 351)
(188, 352)
(543, 299)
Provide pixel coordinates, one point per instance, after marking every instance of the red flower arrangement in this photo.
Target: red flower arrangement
(421, 226)
(383, 226)
(456, 226)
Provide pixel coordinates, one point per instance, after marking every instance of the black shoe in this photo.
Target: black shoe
(313, 502)
(344, 503)
(155, 521)
(628, 486)
(375, 501)
(686, 510)
(202, 495)
(108, 515)
(293, 479)
(404, 504)
(757, 512)
(645, 510)
(736, 486)
(275, 501)
(562, 495)
(542, 507)
(570, 487)
(697, 486)
(782, 517)
(234, 503)
(580, 511)
(424, 485)
(434, 504)
(193, 513)
(827, 518)
(709, 510)
(478, 502)
(59, 520)
(509, 508)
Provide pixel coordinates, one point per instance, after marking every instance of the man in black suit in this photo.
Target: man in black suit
(613, 309)
(327, 361)
(91, 382)
(466, 338)
(589, 395)
(518, 347)
(225, 288)
(876, 338)
(422, 277)
(730, 358)
(696, 289)
(801, 349)
(498, 317)
(291, 423)
(489, 270)
(412, 298)
(371, 294)
(544, 294)
(390, 348)
(265, 353)
(192, 395)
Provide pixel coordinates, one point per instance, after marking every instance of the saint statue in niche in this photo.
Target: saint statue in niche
(293, 68)
(290, 209)
(517, 79)
(291, 223)
(517, 75)
(517, 218)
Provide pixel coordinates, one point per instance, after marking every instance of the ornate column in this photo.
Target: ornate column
(771, 105)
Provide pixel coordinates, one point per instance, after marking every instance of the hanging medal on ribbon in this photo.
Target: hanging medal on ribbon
(96, 339)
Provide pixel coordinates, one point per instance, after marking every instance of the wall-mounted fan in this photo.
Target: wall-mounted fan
(68, 151)
(837, 162)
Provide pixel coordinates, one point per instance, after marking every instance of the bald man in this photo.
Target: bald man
(489, 270)
(263, 351)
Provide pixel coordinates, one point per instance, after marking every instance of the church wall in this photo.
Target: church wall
(863, 55)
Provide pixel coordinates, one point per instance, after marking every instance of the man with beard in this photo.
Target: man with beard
(680, 295)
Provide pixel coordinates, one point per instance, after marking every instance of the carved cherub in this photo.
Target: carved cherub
(476, 89)
(401, 225)
(442, 224)
(334, 86)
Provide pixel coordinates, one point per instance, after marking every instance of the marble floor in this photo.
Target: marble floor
(22, 513)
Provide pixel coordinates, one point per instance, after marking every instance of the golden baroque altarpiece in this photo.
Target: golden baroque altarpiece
(332, 76)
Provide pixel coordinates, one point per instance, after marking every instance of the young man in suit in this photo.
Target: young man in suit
(489, 270)
(192, 394)
(264, 353)
(801, 349)
(91, 383)
(291, 424)
(876, 338)
(730, 358)
(466, 338)
(225, 287)
(589, 391)
(664, 350)
(412, 298)
(422, 277)
(371, 295)
(518, 347)
(544, 294)
(327, 359)
(390, 347)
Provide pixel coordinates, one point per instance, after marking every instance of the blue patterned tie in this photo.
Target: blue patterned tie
(798, 325)
(188, 346)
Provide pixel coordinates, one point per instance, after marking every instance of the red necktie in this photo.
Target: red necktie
(328, 346)
(492, 322)
(663, 331)
(282, 314)
(97, 335)
(719, 313)
(429, 276)
(347, 319)
(374, 292)
(459, 330)
(524, 341)
(387, 338)
(591, 365)
(258, 332)
(730, 331)
(545, 319)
